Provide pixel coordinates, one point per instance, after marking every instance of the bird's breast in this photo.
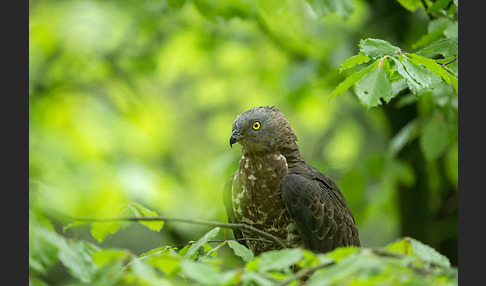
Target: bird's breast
(258, 180)
(257, 199)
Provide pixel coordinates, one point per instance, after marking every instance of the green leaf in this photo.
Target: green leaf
(410, 5)
(182, 252)
(376, 48)
(447, 47)
(434, 138)
(373, 86)
(164, 259)
(212, 251)
(429, 254)
(206, 274)
(99, 230)
(343, 8)
(349, 265)
(241, 251)
(339, 253)
(42, 251)
(414, 87)
(43, 248)
(203, 240)
(253, 278)
(278, 259)
(428, 38)
(146, 274)
(410, 246)
(155, 250)
(401, 246)
(438, 5)
(452, 31)
(350, 80)
(422, 76)
(354, 60)
(76, 257)
(140, 211)
(435, 31)
(434, 67)
(107, 256)
(49, 246)
(398, 86)
(33, 281)
(200, 272)
(312, 259)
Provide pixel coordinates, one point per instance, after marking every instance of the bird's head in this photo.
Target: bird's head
(262, 129)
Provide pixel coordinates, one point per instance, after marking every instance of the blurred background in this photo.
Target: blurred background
(134, 101)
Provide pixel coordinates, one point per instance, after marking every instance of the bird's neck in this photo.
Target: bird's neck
(286, 147)
(292, 154)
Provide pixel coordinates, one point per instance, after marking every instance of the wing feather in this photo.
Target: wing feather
(319, 210)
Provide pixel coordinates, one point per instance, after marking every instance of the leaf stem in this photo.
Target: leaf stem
(450, 62)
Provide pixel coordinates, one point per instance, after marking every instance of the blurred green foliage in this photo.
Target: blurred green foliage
(133, 101)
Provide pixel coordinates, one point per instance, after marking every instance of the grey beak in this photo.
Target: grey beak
(234, 138)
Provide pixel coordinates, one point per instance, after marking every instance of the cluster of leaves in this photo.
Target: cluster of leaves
(200, 263)
(392, 71)
(427, 75)
(99, 230)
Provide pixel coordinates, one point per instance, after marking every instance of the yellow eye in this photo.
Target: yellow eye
(256, 125)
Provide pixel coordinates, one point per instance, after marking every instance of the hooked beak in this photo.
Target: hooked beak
(234, 137)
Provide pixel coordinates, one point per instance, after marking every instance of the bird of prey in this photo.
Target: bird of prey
(276, 191)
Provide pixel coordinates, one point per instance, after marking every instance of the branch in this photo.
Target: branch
(240, 226)
(220, 241)
(449, 62)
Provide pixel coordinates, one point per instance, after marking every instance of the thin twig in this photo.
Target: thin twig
(221, 240)
(240, 226)
(242, 239)
(451, 61)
